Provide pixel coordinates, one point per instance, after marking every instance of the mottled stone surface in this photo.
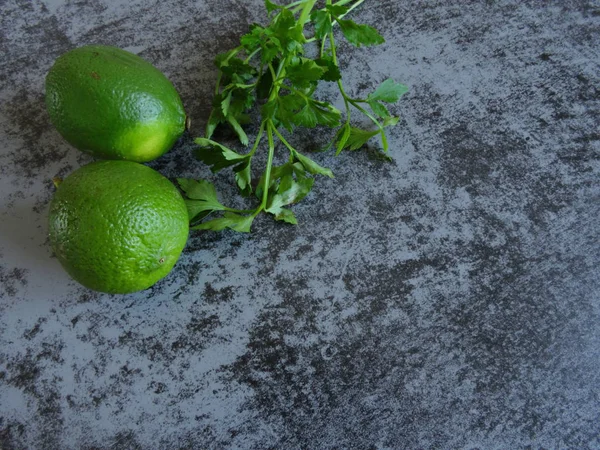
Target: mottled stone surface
(450, 299)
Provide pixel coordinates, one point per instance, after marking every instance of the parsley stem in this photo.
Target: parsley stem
(347, 99)
(296, 6)
(384, 141)
(284, 141)
(339, 82)
(239, 211)
(218, 86)
(241, 86)
(323, 42)
(305, 15)
(267, 184)
(366, 113)
(353, 7)
(261, 131)
(273, 74)
(251, 55)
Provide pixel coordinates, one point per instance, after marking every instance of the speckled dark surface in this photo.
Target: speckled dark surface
(447, 300)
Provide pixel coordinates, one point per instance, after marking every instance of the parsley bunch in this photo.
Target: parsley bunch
(270, 69)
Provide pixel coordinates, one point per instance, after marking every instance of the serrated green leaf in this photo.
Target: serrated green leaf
(305, 73)
(289, 32)
(327, 114)
(359, 137)
(343, 136)
(238, 130)
(288, 192)
(286, 215)
(200, 196)
(270, 6)
(360, 34)
(235, 67)
(332, 72)
(215, 155)
(315, 113)
(286, 109)
(230, 220)
(198, 189)
(270, 52)
(389, 91)
(226, 102)
(264, 39)
(310, 113)
(305, 186)
(243, 177)
(222, 58)
(291, 102)
(241, 101)
(277, 173)
(312, 166)
(253, 40)
(214, 120)
(229, 107)
(197, 209)
(322, 22)
(337, 10)
(379, 109)
(391, 121)
(306, 117)
(269, 109)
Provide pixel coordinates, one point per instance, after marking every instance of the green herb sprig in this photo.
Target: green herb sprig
(270, 68)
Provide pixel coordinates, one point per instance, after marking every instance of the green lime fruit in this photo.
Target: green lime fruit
(117, 226)
(113, 104)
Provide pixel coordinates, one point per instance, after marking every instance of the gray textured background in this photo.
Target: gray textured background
(450, 299)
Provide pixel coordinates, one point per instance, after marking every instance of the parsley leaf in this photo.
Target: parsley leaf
(286, 215)
(201, 197)
(255, 39)
(316, 113)
(391, 121)
(332, 72)
(226, 102)
(215, 155)
(289, 32)
(236, 68)
(379, 109)
(306, 72)
(322, 22)
(360, 34)
(342, 138)
(289, 190)
(236, 222)
(243, 177)
(389, 91)
(238, 130)
(337, 10)
(270, 6)
(359, 137)
(312, 166)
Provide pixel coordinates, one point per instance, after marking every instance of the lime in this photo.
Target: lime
(113, 104)
(117, 226)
